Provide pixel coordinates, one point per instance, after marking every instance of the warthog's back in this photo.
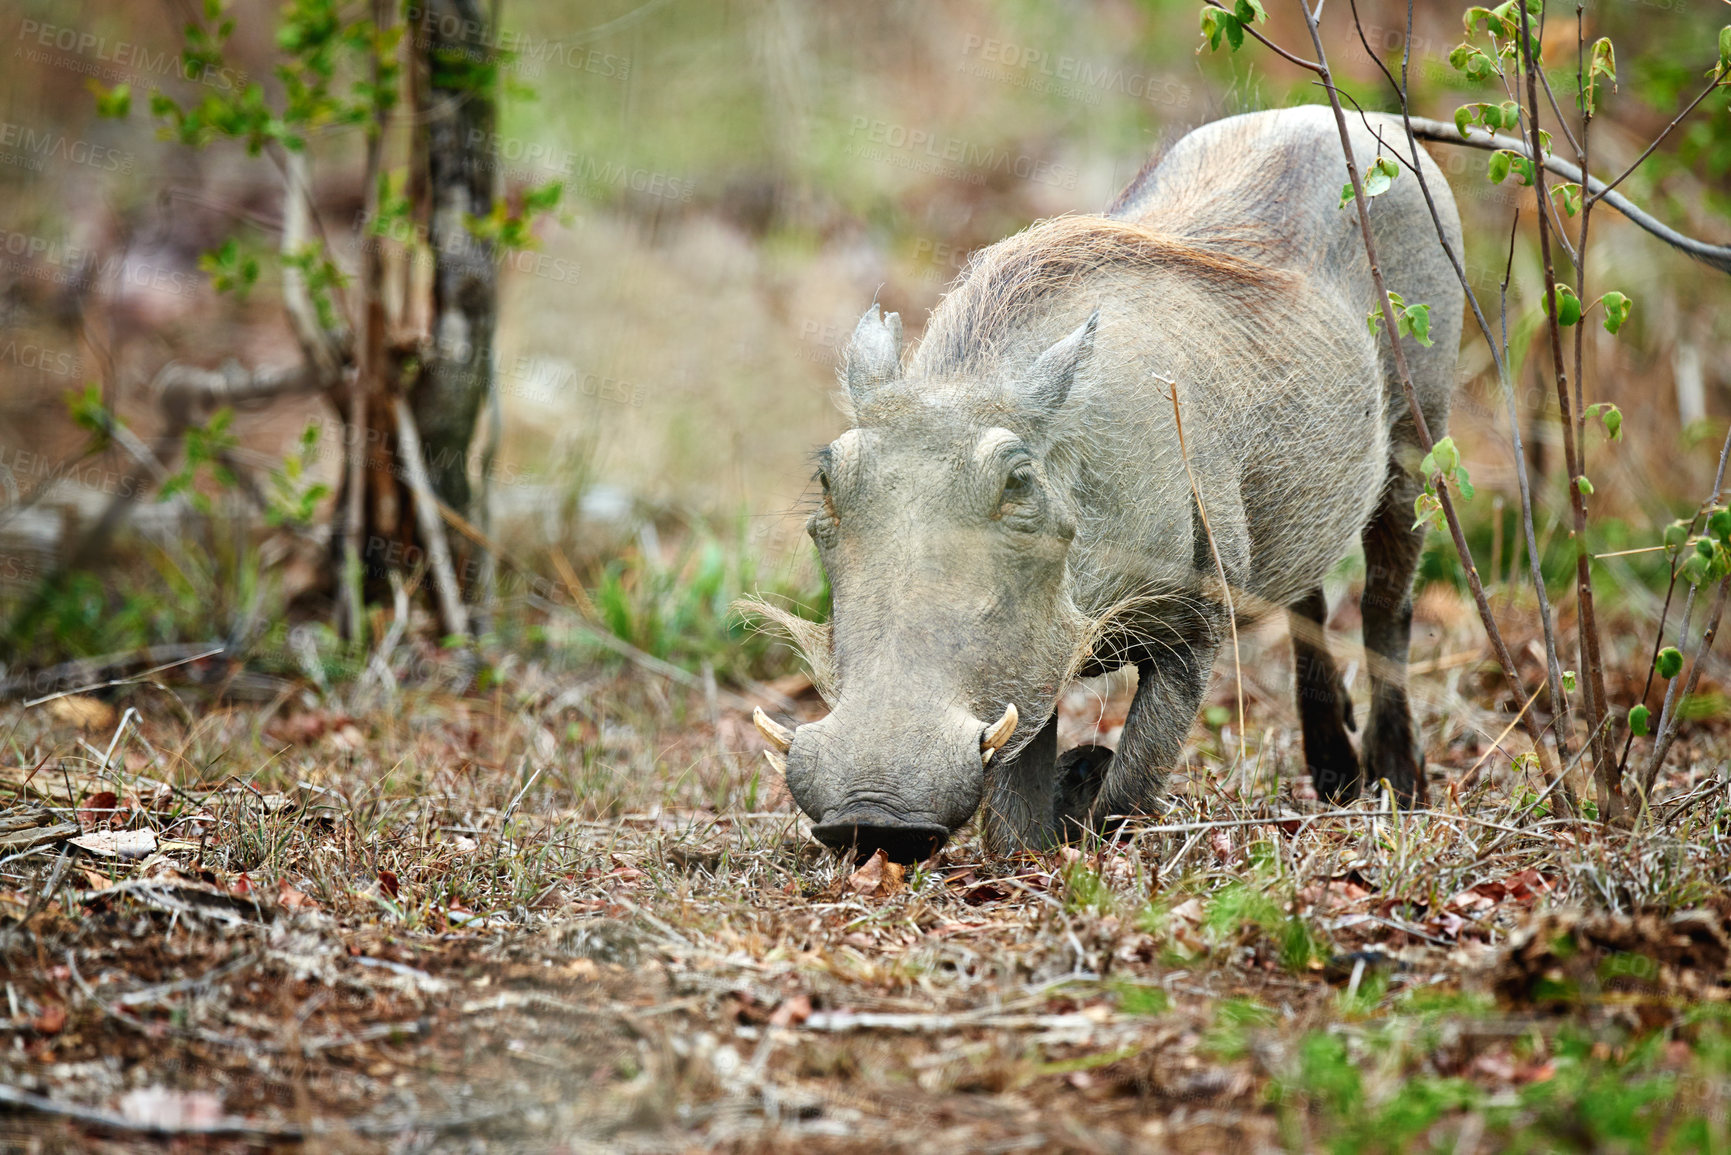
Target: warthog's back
(1228, 268)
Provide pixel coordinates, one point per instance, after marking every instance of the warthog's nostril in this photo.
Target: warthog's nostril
(912, 842)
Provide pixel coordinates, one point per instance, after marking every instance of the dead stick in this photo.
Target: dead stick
(428, 521)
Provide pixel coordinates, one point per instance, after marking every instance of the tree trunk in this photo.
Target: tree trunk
(458, 115)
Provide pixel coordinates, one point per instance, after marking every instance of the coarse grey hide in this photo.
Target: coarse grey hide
(1011, 508)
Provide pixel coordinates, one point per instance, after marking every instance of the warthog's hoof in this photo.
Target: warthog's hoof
(1081, 774)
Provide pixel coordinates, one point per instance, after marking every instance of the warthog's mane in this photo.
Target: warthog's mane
(1011, 285)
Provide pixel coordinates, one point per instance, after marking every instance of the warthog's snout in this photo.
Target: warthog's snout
(866, 829)
(892, 792)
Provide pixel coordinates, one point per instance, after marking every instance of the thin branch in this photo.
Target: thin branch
(432, 529)
(1271, 45)
(1421, 428)
(1718, 256)
(1609, 780)
(1669, 712)
(1657, 141)
(1668, 728)
(1587, 630)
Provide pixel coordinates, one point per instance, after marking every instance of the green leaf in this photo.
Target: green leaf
(1508, 114)
(1427, 509)
(543, 199)
(1719, 525)
(1571, 196)
(1609, 415)
(1212, 26)
(1669, 663)
(113, 103)
(1568, 305)
(1415, 323)
(1380, 177)
(1676, 535)
(1464, 483)
(1725, 50)
(1464, 117)
(1444, 457)
(1585, 486)
(1569, 680)
(1249, 10)
(1498, 168)
(1603, 66)
(1604, 59)
(1617, 308)
(1638, 716)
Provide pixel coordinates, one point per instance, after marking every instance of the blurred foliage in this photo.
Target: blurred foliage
(682, 611)
(1379, 1091)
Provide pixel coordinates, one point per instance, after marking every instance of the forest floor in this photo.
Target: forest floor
(574, 912)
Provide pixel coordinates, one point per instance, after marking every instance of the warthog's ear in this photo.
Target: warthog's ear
(874, 355)
(1049, 382)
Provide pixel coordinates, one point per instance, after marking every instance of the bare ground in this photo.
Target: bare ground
(570, 913)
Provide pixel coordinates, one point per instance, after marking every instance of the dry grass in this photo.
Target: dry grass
(573, 913)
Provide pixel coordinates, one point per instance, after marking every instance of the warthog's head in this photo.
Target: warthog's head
(945, 532)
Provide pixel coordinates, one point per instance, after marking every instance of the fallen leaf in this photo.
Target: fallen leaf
(98, 809)
(161, 1109)
(1190, 911)
(241, 885)
(83, 711)
(1221, 840)
(118, 843)
(1521, 886)
(294, 899)
(388, 883)
(878, 878)
(791, 1012)
(51, 1021)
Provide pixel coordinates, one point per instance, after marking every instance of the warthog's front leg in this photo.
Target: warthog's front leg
(1019, 808)
(1169, 691)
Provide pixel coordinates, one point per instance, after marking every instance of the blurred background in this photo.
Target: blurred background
(736, 181)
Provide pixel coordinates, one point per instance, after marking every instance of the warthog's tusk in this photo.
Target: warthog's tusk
(778, 761)
(777, 735)
(997, 734)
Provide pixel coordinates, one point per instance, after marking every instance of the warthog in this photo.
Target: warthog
(1012, 509)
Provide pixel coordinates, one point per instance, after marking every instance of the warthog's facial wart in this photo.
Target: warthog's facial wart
(945, 547)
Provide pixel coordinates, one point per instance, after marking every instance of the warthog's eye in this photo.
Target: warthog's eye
(824, 519)
(1019, 486)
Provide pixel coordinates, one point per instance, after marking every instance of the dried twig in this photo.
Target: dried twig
(431, 527)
